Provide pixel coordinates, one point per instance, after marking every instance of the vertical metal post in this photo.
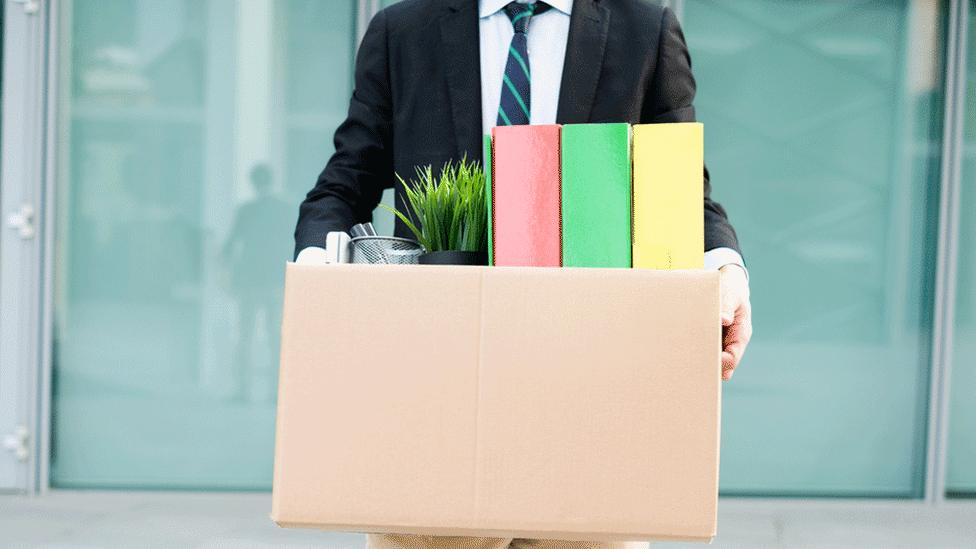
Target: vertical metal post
(364, 11)
(50, 97)
(945, 276)
(21, 234)
(678, 7)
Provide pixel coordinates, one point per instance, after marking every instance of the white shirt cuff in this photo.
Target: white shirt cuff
(717, 258)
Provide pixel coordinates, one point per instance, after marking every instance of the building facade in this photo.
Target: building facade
(154, 153)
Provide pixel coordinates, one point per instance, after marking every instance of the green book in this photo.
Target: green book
(596, 195)
(487, 162)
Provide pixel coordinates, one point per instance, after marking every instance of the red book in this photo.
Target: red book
(525, 196)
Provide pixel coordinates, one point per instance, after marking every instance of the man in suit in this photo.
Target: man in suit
(433, 76)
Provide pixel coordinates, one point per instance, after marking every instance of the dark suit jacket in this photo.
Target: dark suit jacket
(417, 99)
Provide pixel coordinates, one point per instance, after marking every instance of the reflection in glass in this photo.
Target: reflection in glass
(255, 282)
(189, 132)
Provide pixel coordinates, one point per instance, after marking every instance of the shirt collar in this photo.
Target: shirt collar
(487, 8)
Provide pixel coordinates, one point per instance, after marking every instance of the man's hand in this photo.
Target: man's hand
(736, 317)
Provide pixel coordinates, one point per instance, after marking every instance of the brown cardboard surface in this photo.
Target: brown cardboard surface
(516, 402)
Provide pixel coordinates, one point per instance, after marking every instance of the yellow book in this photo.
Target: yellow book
(669, 217)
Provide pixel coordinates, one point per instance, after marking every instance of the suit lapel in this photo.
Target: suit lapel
(589, 26)
(460, 52)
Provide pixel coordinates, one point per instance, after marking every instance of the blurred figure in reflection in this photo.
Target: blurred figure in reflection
(255, 253)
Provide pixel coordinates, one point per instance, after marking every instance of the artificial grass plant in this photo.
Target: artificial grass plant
(448, 211)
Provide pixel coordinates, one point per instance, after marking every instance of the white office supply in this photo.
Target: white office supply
(337, 247)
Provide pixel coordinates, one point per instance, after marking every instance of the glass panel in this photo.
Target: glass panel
(190, 132)
(823, 136)
(961, 475)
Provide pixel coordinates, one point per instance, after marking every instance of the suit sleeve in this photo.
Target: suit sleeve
(671, 96)
(351, 185)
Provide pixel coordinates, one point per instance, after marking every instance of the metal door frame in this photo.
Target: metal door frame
(943, 313)
(23, 200)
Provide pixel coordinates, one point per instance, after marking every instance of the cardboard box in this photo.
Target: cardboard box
(578, 404)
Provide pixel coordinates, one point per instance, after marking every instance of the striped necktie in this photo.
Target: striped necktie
(514, 107)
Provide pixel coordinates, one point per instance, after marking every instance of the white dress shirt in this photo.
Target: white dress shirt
(548, 34)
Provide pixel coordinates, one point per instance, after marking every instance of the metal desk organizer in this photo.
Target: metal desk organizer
(389, 250)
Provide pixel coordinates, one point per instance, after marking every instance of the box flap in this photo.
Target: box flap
(375, 408)
(599, 401)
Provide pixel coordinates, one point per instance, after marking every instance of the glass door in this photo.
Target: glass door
(823, 135)
(190, 131)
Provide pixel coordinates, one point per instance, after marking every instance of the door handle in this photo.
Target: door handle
(22, 221)
(31, 7)
(16, 443)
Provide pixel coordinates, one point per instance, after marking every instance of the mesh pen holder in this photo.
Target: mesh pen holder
(388, 250)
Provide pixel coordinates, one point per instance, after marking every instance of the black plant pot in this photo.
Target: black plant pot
(453, 257)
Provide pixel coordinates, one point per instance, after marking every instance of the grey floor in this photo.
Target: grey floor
(76, 519)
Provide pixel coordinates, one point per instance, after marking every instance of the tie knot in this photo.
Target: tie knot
(520, 13)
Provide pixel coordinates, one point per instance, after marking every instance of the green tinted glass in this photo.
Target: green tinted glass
(822, 129)
(190, 132)
(961, 474)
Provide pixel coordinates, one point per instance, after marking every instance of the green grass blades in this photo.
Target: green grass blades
(449, 211)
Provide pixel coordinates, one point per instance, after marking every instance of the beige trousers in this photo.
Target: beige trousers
(403, 541)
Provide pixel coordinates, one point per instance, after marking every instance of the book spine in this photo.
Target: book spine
(489, 167)
(669, 227)
(596, 195)
(526, 196)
